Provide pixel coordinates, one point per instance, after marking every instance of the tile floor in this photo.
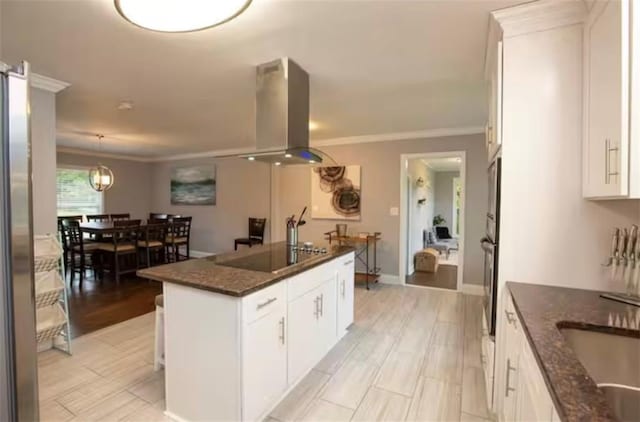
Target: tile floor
(412, 354)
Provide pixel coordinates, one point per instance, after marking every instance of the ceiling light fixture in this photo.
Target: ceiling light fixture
(277, 163)
(287, 155)
(313, 125)
(251, 158)
(101, 177)
(179, 15)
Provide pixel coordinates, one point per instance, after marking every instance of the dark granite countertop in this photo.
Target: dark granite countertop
(208, 274)
(543, 310)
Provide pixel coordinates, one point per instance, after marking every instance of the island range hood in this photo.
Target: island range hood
(282, 116)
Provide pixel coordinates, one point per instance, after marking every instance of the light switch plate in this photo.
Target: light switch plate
(394, 211)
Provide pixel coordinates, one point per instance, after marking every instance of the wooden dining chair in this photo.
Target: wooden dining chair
(98, 218)
(158, 216)
(81, 254)
(152, 242)
(63, 238)
(120, 217)
(179, 235)
(256, 233)
(122, 251)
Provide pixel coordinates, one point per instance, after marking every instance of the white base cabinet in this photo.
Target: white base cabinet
(230, 358)
(524, 393)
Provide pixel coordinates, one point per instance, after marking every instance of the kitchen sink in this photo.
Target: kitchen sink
(613, 362)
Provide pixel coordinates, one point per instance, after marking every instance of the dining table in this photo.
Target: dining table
(100, 228)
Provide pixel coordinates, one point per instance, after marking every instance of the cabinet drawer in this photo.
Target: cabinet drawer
(261, 303)
(309, 280)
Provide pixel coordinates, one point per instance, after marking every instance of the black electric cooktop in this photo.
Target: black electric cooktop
(275, 259)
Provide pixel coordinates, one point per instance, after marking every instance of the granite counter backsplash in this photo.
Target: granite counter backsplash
(209, 274)
(543, 310)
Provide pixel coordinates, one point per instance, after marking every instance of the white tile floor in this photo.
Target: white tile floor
(412, 354)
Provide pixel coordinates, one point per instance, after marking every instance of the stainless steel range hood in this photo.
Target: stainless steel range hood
(282, 116)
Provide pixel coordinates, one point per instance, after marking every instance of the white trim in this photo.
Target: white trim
(48, 84)
(473, 289)
(539, 16)
(200, 254)
(440, 289)
(351, 140)
(389, 279)
(404, 202)
(75, 151)
(399, 136)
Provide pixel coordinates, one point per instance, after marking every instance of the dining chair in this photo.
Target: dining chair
(98, 218)
(63, 238)
(152, 241)
(126, 223)
(158, 216)
(120, 217)
(122, 250)
(179, 235)
(256, 233)
(81, 254)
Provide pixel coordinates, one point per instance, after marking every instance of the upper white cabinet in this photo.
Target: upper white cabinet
(611, 150)
(494, 124)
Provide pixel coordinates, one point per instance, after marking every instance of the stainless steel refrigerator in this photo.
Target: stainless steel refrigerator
(18, 354)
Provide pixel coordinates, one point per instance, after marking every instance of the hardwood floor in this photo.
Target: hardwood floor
(100, 304)
(445, 278)
(412, 354)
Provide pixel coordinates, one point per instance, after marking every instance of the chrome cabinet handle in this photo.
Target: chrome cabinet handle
(511, 319)
(316, 301)
(606, 161)
(507, 387)
(343, 288)
(349, 262)
(281, 323)
(266, 302)
(322, 305)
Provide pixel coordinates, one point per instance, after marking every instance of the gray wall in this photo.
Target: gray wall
(43, 160)
(419, 216)
(444, 196)
(131, 191)
(243, 191)
(381, 190)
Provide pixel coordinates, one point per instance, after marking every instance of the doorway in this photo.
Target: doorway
(432, 193)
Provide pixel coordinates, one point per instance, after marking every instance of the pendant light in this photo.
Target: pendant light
(100, 177)
(179, 15)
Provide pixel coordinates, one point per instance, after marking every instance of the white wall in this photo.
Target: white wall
(549, 233)
(43, 160)
(444, 196)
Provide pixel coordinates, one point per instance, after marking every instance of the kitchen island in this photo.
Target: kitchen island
(242, 329)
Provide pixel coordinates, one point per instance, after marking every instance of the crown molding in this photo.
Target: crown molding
(539, 16)
(48, 84)
(399, 136)
(352, 140)
(84, 152)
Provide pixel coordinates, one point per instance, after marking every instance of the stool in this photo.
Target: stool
(158, 354)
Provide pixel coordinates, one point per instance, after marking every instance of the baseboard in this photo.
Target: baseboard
(199, 254)
(473, 289)
(389, 279)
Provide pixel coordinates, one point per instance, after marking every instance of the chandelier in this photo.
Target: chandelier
(100, 177)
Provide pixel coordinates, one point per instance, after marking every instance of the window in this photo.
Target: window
(456, 206)
(75, 194)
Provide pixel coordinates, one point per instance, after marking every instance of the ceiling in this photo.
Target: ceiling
(443, 164)
(376, 67)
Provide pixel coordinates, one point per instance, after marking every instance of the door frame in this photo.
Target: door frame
(404, 195)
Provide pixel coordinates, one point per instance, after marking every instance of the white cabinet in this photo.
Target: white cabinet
(493, 135)
(611, 150)
(345, 288)
(264, 362)
(304, 336)
(487, 358)
(524, 393)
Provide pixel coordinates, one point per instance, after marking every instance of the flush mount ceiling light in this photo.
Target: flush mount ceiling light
(179, 15)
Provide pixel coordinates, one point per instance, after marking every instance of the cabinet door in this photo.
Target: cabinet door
(606, 96)
(345, 294)
(304, 340)
(328, 316)
(513, 345)
(533, 400)
(494, 128)
(264, 363)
